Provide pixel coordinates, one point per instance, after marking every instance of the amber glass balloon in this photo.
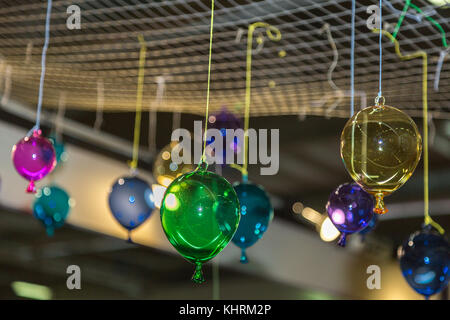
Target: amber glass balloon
(164, 170)
(380, 147)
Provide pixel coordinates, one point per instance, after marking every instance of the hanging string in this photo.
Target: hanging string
(100, 104)
(352, 62)
(7, 91)
(275, 35)
(404, 13)
(203, 159)
(43, 58)
(423, 55)
(140, 88)
(381, 50)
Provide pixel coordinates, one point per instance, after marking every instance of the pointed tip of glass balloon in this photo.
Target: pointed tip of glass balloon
(380, 207)
(31, 188)
(342, 240)
(50, 232)
(244, 259)
(198, 274)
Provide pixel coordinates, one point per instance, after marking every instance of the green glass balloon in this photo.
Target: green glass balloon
(200, 214)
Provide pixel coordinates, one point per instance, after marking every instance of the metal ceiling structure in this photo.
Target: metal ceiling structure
(106, 49)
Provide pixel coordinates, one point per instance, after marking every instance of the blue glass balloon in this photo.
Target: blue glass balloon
(131, 202)
(256, 213)
(51, 207)
(370, 226)
(350, 208)
(425, 261)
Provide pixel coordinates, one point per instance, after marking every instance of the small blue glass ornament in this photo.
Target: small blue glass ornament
(425, 261)
(60, 149)
(370, 227)
(350, 209)
(256, 214)
(222, 121)
(51, 206)
(131, 202)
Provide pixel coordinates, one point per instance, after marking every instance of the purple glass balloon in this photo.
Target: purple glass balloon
(222, 121)
(350, 209)
(34, 157)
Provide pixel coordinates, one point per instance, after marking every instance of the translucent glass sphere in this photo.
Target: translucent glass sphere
(380, 147)
(425, 261)
(199, 215)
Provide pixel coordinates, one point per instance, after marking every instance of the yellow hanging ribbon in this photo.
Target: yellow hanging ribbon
(203, 159)
(140, 87)
(275, 35)
(420, 54)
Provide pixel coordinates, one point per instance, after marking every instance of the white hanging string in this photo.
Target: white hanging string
(43, 59)
(28, 52)
(100, 104)
(437, 75)
(7, 91)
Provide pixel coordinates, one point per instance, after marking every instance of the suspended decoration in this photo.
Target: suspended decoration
(370, 226)
(425, 261)
(131, 199)
(52, 206)
(60, 149)
(222, 121)
(256, 214)
(131, 202)
(34, 157)
(200, 214)
(200, 209)
(350, 209)
(164, 170)
(425, 256)
(380, 147)
(256, 209)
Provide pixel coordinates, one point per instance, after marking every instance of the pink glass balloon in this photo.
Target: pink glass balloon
(34, 157)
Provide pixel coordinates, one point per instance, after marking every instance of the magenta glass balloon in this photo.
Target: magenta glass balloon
(34, 157)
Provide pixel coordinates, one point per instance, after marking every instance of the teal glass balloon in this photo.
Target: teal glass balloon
(60, 149)
(51, 206)
(199, 215)
(256, 213)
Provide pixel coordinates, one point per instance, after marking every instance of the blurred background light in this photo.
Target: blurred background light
(31, 290)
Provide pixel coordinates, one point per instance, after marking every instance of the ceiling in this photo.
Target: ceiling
(97, 65)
